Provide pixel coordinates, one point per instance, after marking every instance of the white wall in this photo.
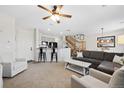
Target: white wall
(7, 38)
(92, 45)
(60, 42)
(25, 44)
(14, 43)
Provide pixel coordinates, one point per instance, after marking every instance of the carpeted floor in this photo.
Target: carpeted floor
(41, 75)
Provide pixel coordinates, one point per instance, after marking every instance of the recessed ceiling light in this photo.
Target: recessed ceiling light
(61, 33)
(104, 5)
(68, 30)
(48, 29)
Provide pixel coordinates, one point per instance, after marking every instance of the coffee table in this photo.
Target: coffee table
(80, 67)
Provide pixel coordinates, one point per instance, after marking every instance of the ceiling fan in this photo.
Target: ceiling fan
(55, 13)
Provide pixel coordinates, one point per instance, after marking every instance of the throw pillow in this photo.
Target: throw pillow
(79, 54)
(118, 59)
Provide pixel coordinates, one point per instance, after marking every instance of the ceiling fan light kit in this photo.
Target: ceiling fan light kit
(55, 18)
(55, 15)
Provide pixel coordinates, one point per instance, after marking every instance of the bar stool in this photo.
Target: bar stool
(42, 54)
(54, 55)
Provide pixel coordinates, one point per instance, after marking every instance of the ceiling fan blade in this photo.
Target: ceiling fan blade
(46, 17)
(65, 15)
(40, 6)
(59, 7)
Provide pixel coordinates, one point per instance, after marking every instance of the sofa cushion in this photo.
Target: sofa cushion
(117, 80)
(119, 54)
(85, 59)
(94, 61)
(97, 55)
(109, 56)
(78, 58)
(108, 67)
(86, 54)
(82, 59)
(94, 83)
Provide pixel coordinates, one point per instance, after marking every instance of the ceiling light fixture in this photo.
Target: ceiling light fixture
(48, 29)
(55, 18)
(61, 33)
(104, 5)
(103, 41)
(55, 13)
(102, 31)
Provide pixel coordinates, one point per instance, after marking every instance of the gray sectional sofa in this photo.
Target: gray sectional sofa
(100, 60)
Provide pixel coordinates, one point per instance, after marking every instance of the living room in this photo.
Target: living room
(85, 44)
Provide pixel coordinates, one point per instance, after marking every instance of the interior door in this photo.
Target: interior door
(25, 44)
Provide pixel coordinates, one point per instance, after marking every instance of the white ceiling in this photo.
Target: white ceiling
(86, 19)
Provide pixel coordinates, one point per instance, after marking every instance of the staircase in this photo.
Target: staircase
(75, 45)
